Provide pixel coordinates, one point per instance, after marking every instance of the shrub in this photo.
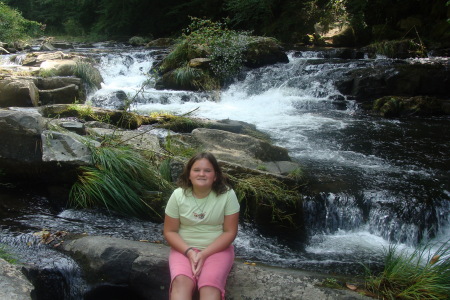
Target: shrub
(14, 27)
(213, 40)
(422, 274)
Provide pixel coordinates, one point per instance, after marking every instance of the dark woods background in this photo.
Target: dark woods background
(287, 20)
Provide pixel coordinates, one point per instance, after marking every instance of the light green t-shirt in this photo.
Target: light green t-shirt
(201, 220)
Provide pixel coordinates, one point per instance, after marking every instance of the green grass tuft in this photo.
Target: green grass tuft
(420, 275)
(4, 254)
(122, 180)
(263, 195)
(88, 74)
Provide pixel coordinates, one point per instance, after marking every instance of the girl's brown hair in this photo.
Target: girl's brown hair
(220, 185)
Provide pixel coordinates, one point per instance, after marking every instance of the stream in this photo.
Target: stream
(373, 181)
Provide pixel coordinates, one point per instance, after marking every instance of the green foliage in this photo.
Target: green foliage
(121, 180)
(45, 73)
(255, 14)
(164, 170)
(73, 27)
(422, 274)
(14, 27)
(225, 47)
(207, 39)
(389, 106)
(4, 254)
(179, 124)
(185, 76)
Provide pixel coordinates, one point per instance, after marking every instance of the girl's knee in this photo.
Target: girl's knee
(210, 292)
(182, 283)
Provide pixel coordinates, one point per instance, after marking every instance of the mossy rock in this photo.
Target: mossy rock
(394, 106)
(397, 49)
(261, 51)
(122, 119)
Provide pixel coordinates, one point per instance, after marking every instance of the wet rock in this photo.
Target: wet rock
(401, 79)
(13, 284)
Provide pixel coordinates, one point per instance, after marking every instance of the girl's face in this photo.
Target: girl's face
(202, 174)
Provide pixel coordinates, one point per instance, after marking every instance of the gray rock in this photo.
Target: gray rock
(65, 148)
(64, 95)
(50, 83)
(138, 140)
(144, 268)
(18, 92)
(238, 148)
(13, 284)
(20, 132)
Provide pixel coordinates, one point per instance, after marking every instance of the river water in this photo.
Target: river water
(372, 180)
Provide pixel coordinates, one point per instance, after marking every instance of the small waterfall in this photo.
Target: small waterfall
(370, 174)
(372, 181)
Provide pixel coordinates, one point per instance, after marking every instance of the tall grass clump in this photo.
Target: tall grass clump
(121, 180)
(420, 275)
(89, 75)
(261, 195)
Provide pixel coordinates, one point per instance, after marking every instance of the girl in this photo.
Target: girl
(201, 222)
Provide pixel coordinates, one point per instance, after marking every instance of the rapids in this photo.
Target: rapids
(373, 181)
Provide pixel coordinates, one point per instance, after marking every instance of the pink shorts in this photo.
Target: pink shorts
(214, 272)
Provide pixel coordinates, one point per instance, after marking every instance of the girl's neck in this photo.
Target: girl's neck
(200, 194)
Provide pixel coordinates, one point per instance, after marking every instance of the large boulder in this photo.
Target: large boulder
(257, 51)
(143, 268)
(402, 79)
(242, 150)
(13, 284)
(263, 51)
(18, 92)
(60, 67)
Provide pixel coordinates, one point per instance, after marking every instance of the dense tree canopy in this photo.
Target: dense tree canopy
(288, 20)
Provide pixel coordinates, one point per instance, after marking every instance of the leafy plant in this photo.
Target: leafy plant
(207, 39)
(421, 274)
(121, 180)
(225, 47)
(14, 27)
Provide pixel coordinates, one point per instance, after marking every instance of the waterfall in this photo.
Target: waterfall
(384, 178)
(375, 180)
(372, 181)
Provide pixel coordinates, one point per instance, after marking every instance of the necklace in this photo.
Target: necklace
(201, 215)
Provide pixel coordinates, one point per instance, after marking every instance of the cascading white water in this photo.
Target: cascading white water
(370, 172)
